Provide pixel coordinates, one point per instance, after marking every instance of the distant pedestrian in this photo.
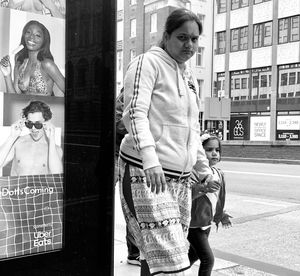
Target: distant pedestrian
(133, 256)
(207, 207)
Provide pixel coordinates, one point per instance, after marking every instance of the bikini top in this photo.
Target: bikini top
(36, 85)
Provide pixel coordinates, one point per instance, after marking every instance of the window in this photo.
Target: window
(270, 80)
(283, 30)
(262, 35)
(263, 81)
(132, 2)
(239, 39)
(234, 40)
(221, 43)
(292, 78)
(236, 4)
(201, 18)
(132, 54)
(120, 27)
(283, 80)
(153, 23)
(298, 77)
(255, 82)
(243, 38)
(199, 56)
(133, 27)
(200, 84)
(237, 84)
(119, 60)
(221, 6)
(295, 28)
(289, 29)
(244, 83)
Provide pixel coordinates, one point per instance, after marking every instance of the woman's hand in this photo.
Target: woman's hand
(5, 66)
(155, 179)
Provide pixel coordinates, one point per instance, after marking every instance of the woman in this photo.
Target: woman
(35, 72)
(161, 110)
(56, 8)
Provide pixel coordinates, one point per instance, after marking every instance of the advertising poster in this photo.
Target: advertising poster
(239, 126)
(288, 128)
(32, 88)
(260, 128)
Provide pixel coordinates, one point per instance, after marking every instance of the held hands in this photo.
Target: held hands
(211, 185)
(155, 179)
(5, 66)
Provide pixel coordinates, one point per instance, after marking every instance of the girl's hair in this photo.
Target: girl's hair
(38, 106)
(44, 52)
(176, 19)
(210, 138)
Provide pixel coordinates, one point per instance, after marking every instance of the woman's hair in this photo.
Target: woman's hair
(176, 19)
(38, 106)
(208, 138)
(44, 52)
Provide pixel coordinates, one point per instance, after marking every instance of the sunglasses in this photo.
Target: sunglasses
(30, 124)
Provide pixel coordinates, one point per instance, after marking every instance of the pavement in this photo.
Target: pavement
(264, 239)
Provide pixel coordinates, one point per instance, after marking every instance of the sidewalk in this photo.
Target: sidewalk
(221, 267)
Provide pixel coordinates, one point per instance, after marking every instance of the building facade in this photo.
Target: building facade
(257, 66)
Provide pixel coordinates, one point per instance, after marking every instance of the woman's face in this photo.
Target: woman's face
(34, 38)
(183, 42)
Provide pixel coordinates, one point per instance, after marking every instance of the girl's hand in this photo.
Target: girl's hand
(226, 225)
(5, 66)
(155, 179)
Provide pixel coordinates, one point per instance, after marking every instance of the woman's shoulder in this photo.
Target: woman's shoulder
(48, 65)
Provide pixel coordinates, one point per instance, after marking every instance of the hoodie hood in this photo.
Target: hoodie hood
(174, 65)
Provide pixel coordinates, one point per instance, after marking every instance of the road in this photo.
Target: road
(264, 200)
(275, 181)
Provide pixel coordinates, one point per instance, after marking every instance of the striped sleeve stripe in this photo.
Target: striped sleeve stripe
(134, 100)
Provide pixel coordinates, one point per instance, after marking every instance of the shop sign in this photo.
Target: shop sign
(238, 129)
(260, 128)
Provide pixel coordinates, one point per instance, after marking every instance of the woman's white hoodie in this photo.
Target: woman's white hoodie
(161, 115)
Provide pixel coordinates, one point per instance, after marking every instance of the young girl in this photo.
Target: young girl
(207, 206)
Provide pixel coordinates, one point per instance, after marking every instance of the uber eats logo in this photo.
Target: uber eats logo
(42, 238)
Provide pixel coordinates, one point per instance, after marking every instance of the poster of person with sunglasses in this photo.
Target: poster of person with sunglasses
(31, 147)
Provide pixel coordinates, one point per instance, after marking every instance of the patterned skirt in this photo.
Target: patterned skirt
(161, 221)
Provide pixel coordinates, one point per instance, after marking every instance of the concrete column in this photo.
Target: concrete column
(273, 100)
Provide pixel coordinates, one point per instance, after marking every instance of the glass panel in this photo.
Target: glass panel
(257, 36)
(235, 4)
(283, 31)
(221, 39)
(295, 28)
(244, 3)
(234, 40)
(244, 38)
(268, 34)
